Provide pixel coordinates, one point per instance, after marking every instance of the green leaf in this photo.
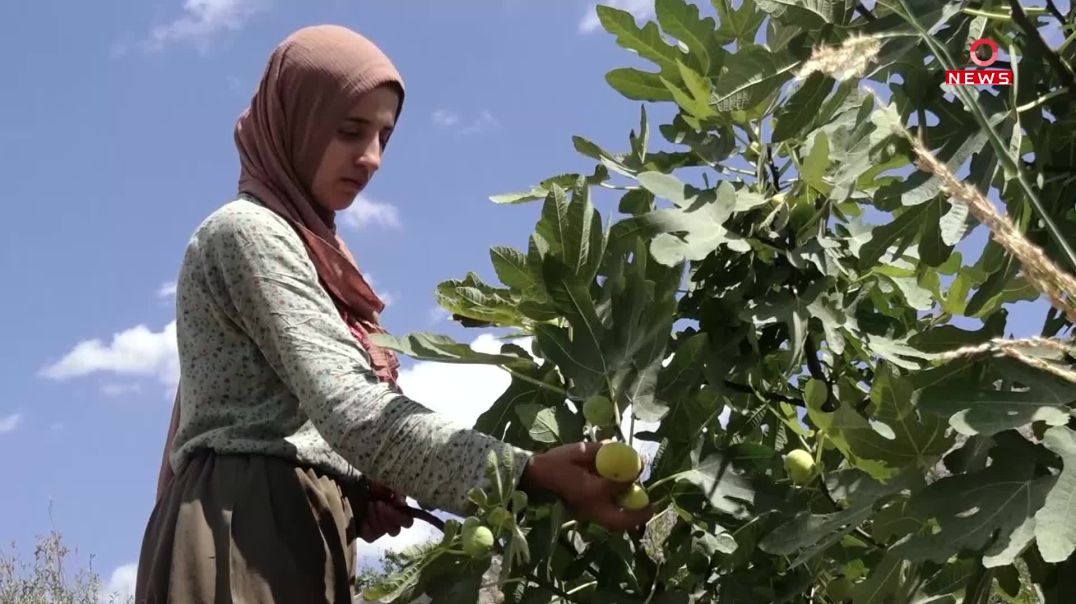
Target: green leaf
(810, 12)
(815, 393)
(443, 349)
(883, 584)
(724, 486)
(680, 235)
(646, 41)
(1003, 286)
(739, 24)
(901, 232)
(696, 101)
(989, 509)
(584, 350)
(607, 159)
(668, 186)
(932, 247)
(682, 21)
(683, 375)
(1055, 522)
(911, 439)
(988, 412)
(808, 534)
(476, 300)
(497, 420)
(640, 394)
(802, 107)
(638, 85)
(511, 267)
(954, 223)
(752, 76)
(550, 425)
(584, 241)
(814, 166)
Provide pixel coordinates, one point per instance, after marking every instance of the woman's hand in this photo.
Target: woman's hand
(568, 472)
(385, 514)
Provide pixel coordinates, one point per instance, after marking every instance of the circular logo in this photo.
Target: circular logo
(993, 52)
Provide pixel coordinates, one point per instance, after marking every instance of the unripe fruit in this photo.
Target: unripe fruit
(599, 411)
(619, 462)
(634, 498)
(477, 541)
(500, 518)
(839, 589)
(800, 466)
(779, 198)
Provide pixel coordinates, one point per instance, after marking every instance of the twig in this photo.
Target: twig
(1050, 6)
(865, 12)
(815, 367)
(744, 388)
(1068, 78)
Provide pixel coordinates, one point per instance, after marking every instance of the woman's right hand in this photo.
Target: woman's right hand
(568, 472)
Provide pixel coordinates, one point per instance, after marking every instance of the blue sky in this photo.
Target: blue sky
(117, 142)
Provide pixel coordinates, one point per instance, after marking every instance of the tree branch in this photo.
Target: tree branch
(815, 367)
(1056, 13)
(865, 13)
(1068, 78)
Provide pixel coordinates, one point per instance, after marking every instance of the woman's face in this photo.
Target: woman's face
(354, 151)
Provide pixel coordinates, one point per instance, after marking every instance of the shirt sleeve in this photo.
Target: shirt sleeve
(272, 291)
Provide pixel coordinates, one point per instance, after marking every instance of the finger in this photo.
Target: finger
(583, 453)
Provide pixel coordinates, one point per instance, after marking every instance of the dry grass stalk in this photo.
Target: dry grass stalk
(1015, 349)
(843, 62)
(1058, 286)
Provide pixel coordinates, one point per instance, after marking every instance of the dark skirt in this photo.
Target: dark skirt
(250, 529)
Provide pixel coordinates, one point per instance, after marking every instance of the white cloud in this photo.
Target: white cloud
(445, 118)
(451, 120)
(121, 585)
(138, 351)
(641, 9)
(10, 423)
(168, 290)
(202, 21)
(365, 212)
(461, 392)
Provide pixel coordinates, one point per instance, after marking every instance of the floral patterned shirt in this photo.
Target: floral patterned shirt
(268, 366)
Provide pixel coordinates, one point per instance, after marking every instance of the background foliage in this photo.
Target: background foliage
(778, 273)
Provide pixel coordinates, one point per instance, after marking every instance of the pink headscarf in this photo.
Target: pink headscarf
(313, 79)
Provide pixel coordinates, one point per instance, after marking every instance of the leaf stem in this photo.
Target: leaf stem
(539, 383)
(978, 12)
(1065, 43)
(1042, 100)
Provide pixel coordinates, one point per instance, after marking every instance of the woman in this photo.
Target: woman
(284, 400)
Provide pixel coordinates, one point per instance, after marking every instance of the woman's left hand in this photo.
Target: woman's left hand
(385, 514)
